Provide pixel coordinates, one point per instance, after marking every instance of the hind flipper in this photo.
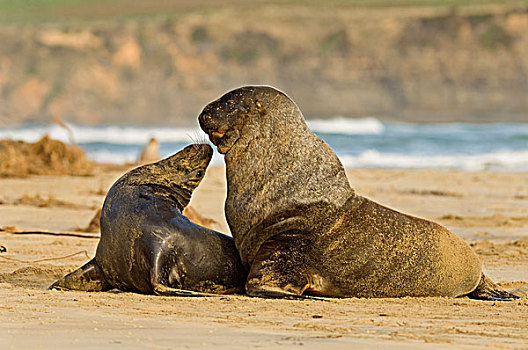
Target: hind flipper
(88, 278)
(488, 290)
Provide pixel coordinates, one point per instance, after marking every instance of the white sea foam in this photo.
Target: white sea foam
(112, 134)
(505, 160)
(500, 160)
(139, 135)
(347, 126)
(105, 156)
(500, 146)
(113, 157)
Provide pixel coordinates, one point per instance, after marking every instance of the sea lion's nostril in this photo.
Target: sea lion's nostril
(205, 118)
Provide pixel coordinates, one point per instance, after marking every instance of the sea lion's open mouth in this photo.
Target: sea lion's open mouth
(215, 135)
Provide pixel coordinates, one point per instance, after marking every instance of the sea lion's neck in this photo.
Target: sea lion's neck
(178, 195)
(277, 166)
(281, 148)
(159, 185)
(307, 173)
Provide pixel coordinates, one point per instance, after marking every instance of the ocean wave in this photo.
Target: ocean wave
(347, 126)
(139, 135)
(111, 134)
(113, 157)
(500, 160)
(360, 143)
(131, 156)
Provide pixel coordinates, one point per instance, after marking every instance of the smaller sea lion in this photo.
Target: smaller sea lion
(148, 246)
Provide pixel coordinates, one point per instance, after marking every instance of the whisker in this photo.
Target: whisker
(198, 137)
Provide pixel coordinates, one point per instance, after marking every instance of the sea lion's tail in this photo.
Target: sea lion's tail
(489, 290)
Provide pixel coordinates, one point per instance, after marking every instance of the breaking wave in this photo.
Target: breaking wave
(360, 143)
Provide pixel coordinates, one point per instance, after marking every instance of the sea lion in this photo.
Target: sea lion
(150, 153)
(148, 246)
(299, 226)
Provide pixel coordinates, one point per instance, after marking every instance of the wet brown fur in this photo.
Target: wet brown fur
(148, 246)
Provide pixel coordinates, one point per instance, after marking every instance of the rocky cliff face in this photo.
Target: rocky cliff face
(415, 64)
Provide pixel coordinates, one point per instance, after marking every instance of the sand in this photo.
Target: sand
(489, 210)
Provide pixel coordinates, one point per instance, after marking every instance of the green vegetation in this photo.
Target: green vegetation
(199, 35)
(248, 46)
(425, 2)
(35, 11)
(58, 88)
(495, 36)
(336, 42)
(125, 61)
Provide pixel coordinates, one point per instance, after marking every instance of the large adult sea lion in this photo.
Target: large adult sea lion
(301, 229)
(148, 246)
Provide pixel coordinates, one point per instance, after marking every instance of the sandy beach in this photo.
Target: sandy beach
(421, 84)
(489, 210)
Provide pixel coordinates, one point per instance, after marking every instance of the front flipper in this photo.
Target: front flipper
(160, 289)
(164, 274)
(260, 292)
(280, 270)
(88, 278)
(488, 290)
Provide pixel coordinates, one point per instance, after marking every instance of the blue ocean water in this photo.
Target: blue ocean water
(360, 143)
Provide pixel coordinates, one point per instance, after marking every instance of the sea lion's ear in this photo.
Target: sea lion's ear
(260, 107)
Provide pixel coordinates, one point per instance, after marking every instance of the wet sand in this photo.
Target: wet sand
(489, 210)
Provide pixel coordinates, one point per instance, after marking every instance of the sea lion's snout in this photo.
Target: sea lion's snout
(191, 157)
(206, 122)
(207, 118)
(215, 124)
(224, 118)
(200, 151)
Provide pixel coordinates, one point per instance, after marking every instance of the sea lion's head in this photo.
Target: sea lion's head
(178, 175)
(224, 119)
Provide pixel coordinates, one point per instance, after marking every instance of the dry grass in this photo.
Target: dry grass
(45, 157)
